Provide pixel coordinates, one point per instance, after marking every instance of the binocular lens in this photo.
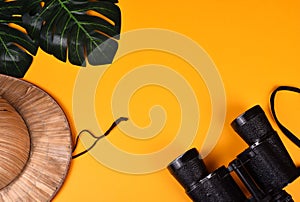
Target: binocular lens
(191, 173)
(188, 168)
(266, 160)
(253, 125)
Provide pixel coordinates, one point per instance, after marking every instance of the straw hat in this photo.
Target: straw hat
(35, 142)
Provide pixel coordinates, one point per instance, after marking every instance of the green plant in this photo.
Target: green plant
(64, 28)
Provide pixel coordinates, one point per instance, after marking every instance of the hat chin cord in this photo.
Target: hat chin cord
(114, 124)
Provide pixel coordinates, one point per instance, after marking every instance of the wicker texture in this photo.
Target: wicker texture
(14, 143)
(50, 139)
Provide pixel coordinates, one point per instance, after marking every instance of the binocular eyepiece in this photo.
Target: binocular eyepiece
(265, 167)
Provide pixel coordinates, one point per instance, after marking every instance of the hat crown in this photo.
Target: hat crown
(14, 143)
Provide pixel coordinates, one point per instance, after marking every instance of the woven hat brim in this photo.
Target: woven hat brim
(51, 142)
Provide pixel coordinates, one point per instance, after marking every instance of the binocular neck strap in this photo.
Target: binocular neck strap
(287, 133)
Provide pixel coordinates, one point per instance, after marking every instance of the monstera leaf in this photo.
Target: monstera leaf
(16, 46)
(82, 30)
(75, 28)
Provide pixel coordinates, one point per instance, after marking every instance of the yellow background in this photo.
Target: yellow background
(255, 45)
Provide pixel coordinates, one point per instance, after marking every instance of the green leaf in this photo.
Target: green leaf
(15, 45)
(76, 28)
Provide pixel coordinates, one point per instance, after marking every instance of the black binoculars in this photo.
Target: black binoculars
(265, 167)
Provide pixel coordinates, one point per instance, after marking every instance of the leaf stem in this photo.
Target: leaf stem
(79, 25)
